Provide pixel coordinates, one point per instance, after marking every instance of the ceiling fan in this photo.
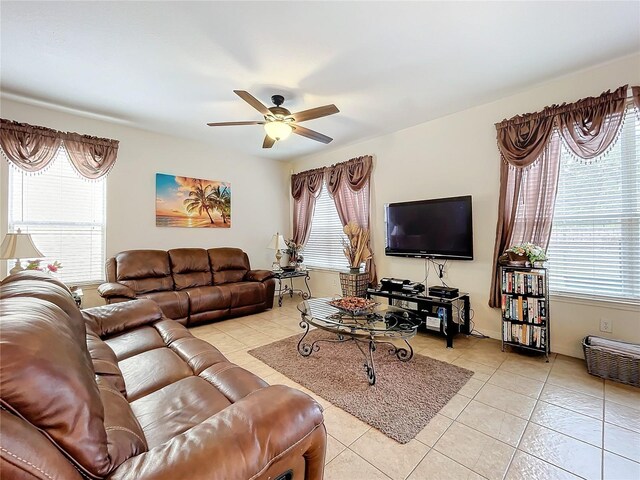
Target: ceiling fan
(279, 122)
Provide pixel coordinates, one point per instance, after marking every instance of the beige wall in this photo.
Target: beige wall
(457, 155)
(259, 188)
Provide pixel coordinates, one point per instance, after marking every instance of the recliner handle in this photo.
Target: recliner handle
(288, 475)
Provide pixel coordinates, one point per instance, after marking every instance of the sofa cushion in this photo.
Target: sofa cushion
(134, 342)
(144, 270)
(143, 380)
(247, 293)
(190, 267)
(59, 396)
(205, 299)
(33, 286)
(228, 265)
(174, 305)
(176, 408)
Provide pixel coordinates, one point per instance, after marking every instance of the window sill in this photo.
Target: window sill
(325, 269)
(87, 285)
(595, 301)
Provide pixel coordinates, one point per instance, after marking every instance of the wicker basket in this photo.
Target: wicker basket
(619, 361)
(354, 284)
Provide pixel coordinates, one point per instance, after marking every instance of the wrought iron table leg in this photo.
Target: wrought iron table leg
(279, 292)
(403, 354)
(305, 349)
(306, 296)
(369, 366)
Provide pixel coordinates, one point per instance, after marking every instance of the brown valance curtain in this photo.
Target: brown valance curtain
(348, 184)
(92, 157)
(32, 148)
(305, 188)
(29, 148)
(635, 93)
(530, 149)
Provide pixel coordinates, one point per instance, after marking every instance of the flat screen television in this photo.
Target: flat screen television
(438, 228)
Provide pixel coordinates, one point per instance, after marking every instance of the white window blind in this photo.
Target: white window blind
(65, 216)
(595, 239)
(324, 248)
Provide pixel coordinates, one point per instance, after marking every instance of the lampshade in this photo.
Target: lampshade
(278, 130)
(18, 245)
(277, 242)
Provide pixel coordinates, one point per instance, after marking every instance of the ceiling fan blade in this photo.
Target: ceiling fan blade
(268, 142)
(305, 132)
(315, 113)
(227, 124)
(253, 101)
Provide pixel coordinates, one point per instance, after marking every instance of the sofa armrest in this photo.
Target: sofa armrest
(258, 275)
(267, 427)
(112, 289)
(108, 320)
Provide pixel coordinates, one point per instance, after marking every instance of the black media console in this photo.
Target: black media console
(432, 308)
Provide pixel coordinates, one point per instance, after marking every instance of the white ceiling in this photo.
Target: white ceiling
(172, 66)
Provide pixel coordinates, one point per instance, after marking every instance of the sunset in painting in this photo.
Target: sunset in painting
(192, 202)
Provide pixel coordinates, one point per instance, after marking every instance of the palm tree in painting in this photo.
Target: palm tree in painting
(200, 200)
(221, 200)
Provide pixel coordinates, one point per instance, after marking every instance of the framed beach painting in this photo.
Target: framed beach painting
(192, 202)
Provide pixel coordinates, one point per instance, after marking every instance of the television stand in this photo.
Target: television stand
(426, 305)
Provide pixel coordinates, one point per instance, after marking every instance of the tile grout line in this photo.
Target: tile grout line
(529, 421)
(363, 459)
(538, 401)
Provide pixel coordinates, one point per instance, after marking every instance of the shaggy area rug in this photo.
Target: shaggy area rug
(404, 399)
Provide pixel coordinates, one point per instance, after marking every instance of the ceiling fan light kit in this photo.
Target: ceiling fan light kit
(279, 122)
(278, 129)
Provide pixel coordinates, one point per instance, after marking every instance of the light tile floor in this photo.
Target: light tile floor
(517, 418)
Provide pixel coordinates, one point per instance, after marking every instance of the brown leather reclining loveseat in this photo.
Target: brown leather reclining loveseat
(121, 392)
(191, 285)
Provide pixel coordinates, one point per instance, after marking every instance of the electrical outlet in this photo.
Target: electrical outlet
(605, 325)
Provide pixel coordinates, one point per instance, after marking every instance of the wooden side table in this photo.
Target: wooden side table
(284, 289)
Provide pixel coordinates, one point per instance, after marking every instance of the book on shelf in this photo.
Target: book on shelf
(524, 283)
(523, 309)
(524, 334)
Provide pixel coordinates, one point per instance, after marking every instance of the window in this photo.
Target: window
(65, 216)
(595, 240)
(324, 247)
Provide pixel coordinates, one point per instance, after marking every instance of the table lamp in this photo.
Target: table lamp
(18, 245)
(277, 243)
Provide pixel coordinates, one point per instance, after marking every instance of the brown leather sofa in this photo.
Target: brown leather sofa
(121, 392)
(191, 285)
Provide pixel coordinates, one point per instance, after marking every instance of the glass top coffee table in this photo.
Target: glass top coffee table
(381, 325)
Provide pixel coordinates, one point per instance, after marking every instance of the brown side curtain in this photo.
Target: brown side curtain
(32, 148)
(29, 148)
(92, 157)
(530, 149)
(635, 93)
(349, 185)
(305, 188)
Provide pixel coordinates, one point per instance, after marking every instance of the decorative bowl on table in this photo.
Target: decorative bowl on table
(355, 306)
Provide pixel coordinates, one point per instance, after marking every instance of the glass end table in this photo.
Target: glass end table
(284, 289)
(381, 325)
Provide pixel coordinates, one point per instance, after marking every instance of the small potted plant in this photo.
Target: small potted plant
(293, 251)
(524, 253)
